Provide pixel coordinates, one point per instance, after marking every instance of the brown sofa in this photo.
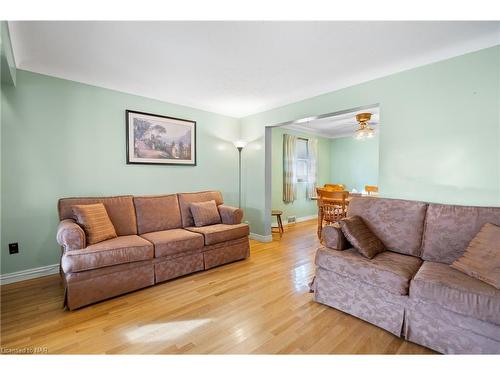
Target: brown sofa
(411, 290)
(157, 241)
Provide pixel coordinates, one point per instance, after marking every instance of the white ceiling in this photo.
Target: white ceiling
(237, 68)
(336, 125)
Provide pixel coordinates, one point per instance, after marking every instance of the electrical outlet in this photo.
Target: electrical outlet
(13, 248)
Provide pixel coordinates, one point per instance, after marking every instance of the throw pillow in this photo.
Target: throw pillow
(481, 259)
(205, 213)
(361, 237)
(94, 220)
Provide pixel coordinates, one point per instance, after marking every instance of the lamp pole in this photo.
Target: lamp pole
(239, 146)
(239, 176)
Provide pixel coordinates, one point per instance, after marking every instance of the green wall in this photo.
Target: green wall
(302, 206)
(61, 138)
(354, 163)
(439, 138)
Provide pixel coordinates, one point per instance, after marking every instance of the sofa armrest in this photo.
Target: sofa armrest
(230, 215)
(333, 238)
(70, 235)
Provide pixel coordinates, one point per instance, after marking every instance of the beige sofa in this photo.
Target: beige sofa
(411, 290)
(157, 241)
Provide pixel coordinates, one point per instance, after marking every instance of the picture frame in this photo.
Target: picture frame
(159, 140)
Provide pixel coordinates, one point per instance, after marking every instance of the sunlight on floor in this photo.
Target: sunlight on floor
(301, 277)
(164, 331)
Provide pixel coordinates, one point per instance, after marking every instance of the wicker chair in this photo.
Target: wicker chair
(332, 206)
(371, 189)
(334, 187)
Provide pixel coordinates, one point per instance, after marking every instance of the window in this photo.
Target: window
(301, 157)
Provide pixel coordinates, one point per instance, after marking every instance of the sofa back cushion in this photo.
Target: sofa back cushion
(185, 199)
(156, 213)
(449, 229)
(399, 224)
(120, 210)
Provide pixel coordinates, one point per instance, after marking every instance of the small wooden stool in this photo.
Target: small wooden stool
(278, 214)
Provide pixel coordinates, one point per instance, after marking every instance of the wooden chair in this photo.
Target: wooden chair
(371, 189)
(332, 206)
(334, 187)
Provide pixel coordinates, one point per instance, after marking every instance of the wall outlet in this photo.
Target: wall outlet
(13, 248)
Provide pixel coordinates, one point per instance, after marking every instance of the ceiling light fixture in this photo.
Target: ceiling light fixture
(364, 131)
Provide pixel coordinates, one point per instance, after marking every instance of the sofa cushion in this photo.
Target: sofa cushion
(174, 241)
(205, 213)
(186, 198)
(120, 210)
(95, 221)
(361, 237)
(398, 223)
(388, 270)
(481, 260)
(449, 229)
(218, 233)
(157, 213)
(455, 291)
(119, 250)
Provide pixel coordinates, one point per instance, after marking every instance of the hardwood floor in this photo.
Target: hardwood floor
(260, 305)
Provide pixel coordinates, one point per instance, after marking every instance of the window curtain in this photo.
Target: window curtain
(289, 175)
(312, 167)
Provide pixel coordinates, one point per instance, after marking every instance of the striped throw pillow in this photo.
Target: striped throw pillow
(205, 213)
(94, 220)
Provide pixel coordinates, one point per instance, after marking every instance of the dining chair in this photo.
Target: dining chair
(332, 206)
(335, 187)
(371, 189)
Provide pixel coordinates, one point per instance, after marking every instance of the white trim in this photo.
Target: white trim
(31, 273)
(305, 218)
(298, 220)
(260, 238)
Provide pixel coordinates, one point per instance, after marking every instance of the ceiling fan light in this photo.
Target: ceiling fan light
(360, 134)
(364, 130)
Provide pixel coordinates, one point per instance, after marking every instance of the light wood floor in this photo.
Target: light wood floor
(260, 305)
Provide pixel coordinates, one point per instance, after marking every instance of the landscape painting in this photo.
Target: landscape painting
(156, 139)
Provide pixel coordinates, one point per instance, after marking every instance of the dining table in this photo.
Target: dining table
(348, 199)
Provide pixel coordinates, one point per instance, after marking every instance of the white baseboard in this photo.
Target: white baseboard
(260, 238)
(306, 218)
(31, 273)
(298, 220)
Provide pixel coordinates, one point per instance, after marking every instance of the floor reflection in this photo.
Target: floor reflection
(164, 331)
(302, 275)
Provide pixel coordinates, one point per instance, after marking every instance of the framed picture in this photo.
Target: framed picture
(155, 139)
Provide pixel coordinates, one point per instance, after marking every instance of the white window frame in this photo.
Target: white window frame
(302, 178)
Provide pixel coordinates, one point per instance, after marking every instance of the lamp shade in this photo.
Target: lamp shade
(240, 144)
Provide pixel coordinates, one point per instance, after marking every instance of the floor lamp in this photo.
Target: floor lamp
(239, 145)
